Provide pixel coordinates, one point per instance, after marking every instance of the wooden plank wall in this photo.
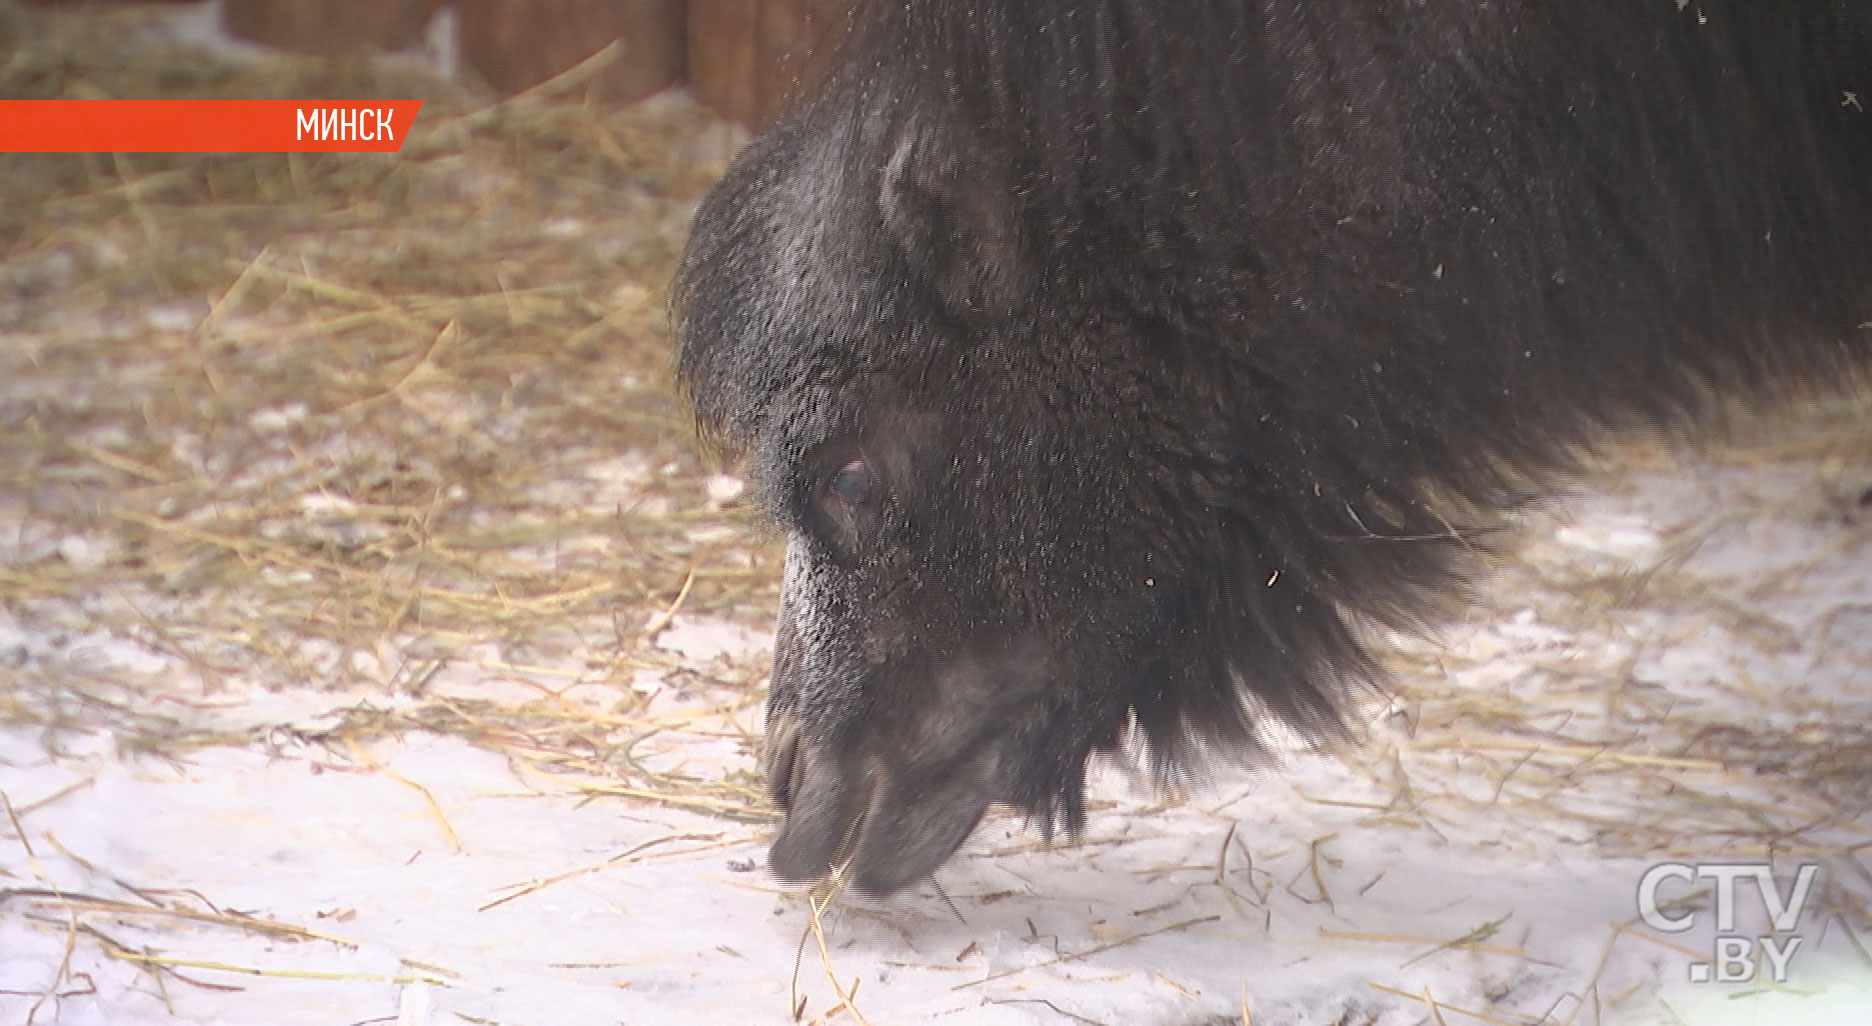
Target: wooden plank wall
(746, 59)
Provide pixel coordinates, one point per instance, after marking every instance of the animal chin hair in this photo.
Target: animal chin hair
(1182, 759)
(1241, 716)
(1270, 671)
(1180, 740)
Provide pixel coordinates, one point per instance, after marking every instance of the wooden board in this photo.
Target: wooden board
(329, 26)
(750, 60)
(515, 44)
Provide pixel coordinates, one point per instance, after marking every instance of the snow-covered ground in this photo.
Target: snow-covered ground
(1672, 668)
(426, 880)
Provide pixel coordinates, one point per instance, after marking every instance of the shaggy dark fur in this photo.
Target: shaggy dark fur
(1109, 361)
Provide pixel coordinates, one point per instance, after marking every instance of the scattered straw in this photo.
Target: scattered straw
(397, 429)
(632, 854)
(169, 962)
(19, 829)
(1437, 1008)
(76, 902)
(1089, 952)
(1467, 942)
(351, 422)
(846, 995)
(401, 430)
(363, 755)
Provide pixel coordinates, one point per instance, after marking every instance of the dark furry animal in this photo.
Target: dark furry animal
(1109, 362)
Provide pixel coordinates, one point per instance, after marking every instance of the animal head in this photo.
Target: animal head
(1017, 524)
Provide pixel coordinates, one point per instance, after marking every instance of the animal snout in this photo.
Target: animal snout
(879, 823)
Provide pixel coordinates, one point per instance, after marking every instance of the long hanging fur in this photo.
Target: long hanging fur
(1115, 361)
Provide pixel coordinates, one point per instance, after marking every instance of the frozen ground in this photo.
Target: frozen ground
(461, 828)
(427, 881)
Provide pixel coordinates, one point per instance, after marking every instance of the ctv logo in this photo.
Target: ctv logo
(1735, 959)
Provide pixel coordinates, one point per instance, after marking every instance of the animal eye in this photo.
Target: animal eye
(852, 485)
(848, 505)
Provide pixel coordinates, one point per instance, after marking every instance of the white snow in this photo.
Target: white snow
(1658, 676)
(1304, 894)
(705, 639)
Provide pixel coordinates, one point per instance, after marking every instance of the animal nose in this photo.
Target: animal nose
(823, 801)
(882, 824)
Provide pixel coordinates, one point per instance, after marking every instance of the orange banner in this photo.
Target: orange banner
(204, 126)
